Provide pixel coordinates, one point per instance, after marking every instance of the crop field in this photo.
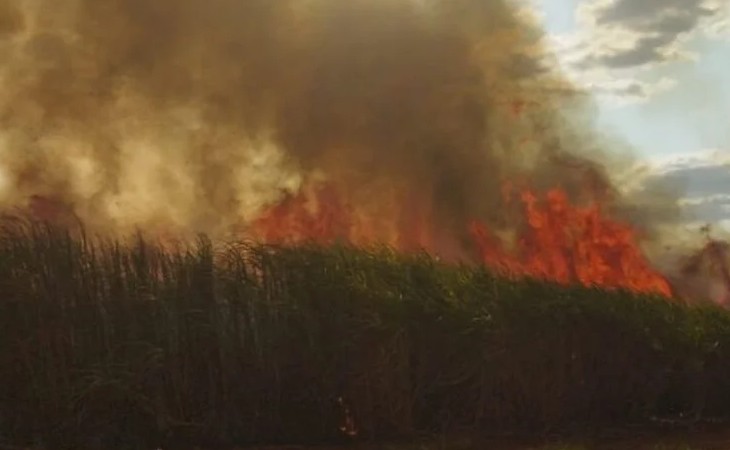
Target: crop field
(111, 344)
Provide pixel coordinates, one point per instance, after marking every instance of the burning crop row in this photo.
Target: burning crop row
(559, 242)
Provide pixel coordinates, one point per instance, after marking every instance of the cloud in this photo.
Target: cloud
(618, 43)
(615, 88)
(713, 208)
(634, 33)
(704, 179)
(621, 91)
(690, 161)
(719, 28)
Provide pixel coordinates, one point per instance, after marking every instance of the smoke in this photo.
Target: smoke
(197, 114)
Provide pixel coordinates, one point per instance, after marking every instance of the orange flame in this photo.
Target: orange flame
(567, 244)
(559, 241)
(318, 214)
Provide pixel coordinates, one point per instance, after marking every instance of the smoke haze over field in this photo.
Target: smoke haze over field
(197, 114)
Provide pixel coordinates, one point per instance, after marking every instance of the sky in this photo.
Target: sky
(660, 73)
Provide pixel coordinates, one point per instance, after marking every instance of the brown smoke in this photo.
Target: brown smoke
(196, 114)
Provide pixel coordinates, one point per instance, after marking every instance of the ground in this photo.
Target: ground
(705, 440)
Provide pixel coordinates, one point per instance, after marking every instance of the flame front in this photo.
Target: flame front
(556, 241)
(572, 244)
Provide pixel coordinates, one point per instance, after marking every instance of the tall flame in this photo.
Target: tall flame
(322, 213)
(566, 243)
(558, 241)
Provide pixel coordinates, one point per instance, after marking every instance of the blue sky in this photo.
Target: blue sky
(660, 72)
(690, 114)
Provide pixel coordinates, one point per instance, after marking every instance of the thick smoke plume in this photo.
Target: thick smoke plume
(197, 114)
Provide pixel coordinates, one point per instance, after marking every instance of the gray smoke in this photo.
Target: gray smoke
(197, 114)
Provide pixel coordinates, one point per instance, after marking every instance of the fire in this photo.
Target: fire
(567, 244)
(557, 240)
(319, 217)
(553, 239)
(321, 214)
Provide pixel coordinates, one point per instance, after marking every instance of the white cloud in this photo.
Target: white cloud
(632, 33)
(619, 42)
(719, 26)
(689, 161)
(616, 87)
(622, 91)
(722, 199)
(703, 179)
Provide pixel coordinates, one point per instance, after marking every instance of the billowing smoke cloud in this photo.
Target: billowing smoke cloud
(199, 113)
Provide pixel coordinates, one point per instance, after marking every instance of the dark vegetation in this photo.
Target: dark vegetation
(112, 345)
